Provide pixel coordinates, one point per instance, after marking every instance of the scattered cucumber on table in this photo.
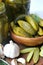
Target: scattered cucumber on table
(30, 56)
(27, 50)
(36, 55)
(41, 51)
(33, 53)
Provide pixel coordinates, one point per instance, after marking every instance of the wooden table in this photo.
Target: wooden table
(40, 62)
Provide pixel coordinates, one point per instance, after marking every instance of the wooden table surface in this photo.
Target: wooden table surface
(40, 62)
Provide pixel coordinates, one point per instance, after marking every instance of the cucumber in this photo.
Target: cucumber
(36, 55)
(35, 17)
(19, 31)
(12, 24)
(27, 50)
(26, 26)
(41, 48)
(41, 52)
(32, 22)
(30, 56)
(40, 32)
(41, 23)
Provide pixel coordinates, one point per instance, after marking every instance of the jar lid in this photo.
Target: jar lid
(2, 7)
(17, 1)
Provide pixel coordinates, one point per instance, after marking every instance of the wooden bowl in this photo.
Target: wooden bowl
(27, 41)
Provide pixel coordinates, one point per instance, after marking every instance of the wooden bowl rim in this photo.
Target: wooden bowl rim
(25, 37)
(27, 41)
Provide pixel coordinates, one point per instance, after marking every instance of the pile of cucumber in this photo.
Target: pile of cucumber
(34, 53)
(30, 26)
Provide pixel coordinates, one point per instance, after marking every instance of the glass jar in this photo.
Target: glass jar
(0, 0)
(16, 8)
(3, 23)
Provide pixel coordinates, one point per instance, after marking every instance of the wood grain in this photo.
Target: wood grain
(40, 62)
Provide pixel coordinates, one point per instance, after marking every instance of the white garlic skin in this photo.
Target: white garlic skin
(21, 60)
(1, 51)
(14, 62)
(11, 50)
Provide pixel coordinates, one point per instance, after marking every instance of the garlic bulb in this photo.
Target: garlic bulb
(21, 60)
(1, 51)
(11, 50)
(14, 62)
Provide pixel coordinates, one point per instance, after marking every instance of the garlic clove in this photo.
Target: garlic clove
(7, 50)
(14, 62)
(1, 51)
(21, 60)
(11, 42)
(15, 50)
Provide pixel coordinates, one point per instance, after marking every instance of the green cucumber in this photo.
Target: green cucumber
(36, 17)
(36, 55)
(30, 56)
(26, 50)
(32, 22)
(27, 27)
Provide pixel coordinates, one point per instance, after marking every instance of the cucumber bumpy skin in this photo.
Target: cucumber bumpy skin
(40, 32)
(27, 27)
(35, 17)
(20, 32)
(32, 22)
(27, 50)
(36, 55)
(30, 56)
(41, 51)
(41, 23)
